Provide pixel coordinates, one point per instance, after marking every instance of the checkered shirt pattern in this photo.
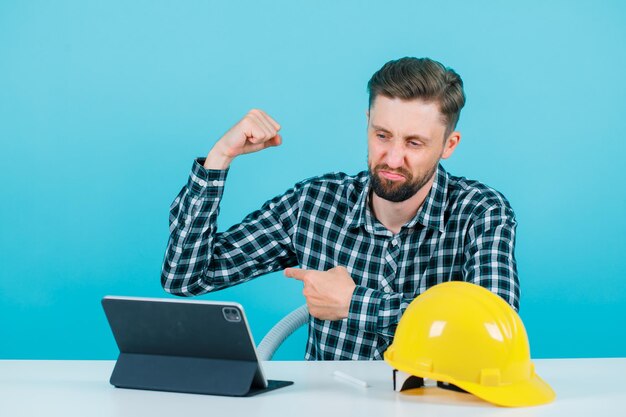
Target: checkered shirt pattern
(464, 231)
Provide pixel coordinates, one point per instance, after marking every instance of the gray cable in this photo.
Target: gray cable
(281, 331)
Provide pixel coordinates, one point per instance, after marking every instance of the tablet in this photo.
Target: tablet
(192, 346)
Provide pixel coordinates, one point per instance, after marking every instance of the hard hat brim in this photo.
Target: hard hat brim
(530, 392)
(534, 391)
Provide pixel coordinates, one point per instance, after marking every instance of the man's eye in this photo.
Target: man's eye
(381, 136)
(414, 144)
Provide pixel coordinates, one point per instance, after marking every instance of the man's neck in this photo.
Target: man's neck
(395, 215)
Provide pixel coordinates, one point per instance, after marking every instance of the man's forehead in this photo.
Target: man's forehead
(406, 117)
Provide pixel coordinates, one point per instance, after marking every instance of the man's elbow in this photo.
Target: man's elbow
(169, 285)
(187, 287)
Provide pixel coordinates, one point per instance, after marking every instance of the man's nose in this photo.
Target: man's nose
(395, 155)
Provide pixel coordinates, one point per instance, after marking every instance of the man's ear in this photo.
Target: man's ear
(451, 143)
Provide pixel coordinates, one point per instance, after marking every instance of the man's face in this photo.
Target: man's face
(405, 143)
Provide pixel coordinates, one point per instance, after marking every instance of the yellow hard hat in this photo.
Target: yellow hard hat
(463, 334)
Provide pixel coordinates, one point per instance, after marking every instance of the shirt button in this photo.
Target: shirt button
(394, 242)
(215, 183)
(387, 290)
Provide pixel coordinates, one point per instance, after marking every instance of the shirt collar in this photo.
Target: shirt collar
(431, 214)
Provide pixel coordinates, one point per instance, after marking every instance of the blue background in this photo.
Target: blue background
(104, 105)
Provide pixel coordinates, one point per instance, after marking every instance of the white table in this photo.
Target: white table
(584, 387)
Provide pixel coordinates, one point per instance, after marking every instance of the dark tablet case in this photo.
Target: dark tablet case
(184, 346)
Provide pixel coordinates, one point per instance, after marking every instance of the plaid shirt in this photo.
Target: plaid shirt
(463, 231)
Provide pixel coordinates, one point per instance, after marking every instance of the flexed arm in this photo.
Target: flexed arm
(198, 259)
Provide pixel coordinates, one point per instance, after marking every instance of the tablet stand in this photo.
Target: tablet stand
(189, 375)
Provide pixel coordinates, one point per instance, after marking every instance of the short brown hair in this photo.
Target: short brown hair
(421, 78)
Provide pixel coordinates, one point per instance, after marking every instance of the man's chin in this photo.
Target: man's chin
(387, 189)
(394, 194)
(395, 191)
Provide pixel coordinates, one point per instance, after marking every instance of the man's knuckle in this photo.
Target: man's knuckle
(247, 122)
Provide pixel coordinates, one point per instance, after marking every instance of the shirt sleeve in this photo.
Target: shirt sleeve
(376, 311)
(198, 259)
(490, 254)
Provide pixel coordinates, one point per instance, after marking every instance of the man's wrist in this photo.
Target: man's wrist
(217, 160)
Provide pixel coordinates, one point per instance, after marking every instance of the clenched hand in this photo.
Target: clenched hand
(328, 294)
(256, 131)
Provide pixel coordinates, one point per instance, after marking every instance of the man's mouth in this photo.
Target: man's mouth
(392, 176)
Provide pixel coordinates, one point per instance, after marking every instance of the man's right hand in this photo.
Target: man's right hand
(256, 131)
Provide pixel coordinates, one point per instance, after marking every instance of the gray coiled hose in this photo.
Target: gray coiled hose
(281, 331)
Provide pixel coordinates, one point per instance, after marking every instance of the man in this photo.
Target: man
(367, 244)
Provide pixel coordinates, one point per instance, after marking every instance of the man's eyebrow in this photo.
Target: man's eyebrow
(380, 128)
(409, 137)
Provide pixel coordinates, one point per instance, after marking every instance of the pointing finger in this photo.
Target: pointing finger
(299, 274)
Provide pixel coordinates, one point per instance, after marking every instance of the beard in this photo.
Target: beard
(398, 191)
